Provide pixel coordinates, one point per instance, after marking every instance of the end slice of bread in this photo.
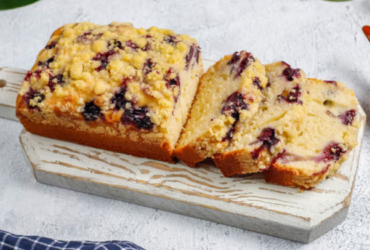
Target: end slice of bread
(228, 94)
(260, 139)
(326, 136)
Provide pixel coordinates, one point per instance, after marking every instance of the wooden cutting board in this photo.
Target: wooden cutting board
(244, 202)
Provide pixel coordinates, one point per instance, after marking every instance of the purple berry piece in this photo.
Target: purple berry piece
(91, 112)
(137, 117)
(51, 45)
(148, 66)
(348, 117)
(104, 59)
(54, 80)
(230, 133)
(115, 44)
(232, 107)
(28, 76)
(132, 45)
(172, 82)
(46, 63)
(239, 62)
(333, 152)
(257, 83)
(171, 40)
(85, 39)
(331, 82)
(31, 94)
(290, 73)
(268, 139)
(119, 99)
(147, 47)
(193, 53)
(292, 96)
(234, 104)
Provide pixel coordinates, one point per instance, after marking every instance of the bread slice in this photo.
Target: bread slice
(261, 138)
(325, 137)
(228, 94)
(112, 86)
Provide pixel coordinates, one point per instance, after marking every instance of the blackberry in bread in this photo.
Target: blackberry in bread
(228, 94)
(112, 86)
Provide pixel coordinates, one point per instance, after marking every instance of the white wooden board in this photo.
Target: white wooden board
(10, 84)
(244, 202)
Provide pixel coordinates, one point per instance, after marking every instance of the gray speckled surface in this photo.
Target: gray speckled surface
(323, 38)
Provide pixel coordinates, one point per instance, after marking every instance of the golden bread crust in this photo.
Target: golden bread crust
(189, 155)
(238, 162)
(125, 145)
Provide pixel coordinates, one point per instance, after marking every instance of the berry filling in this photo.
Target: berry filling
(171, 40)
(239, 62)
(91, 112)
(234, 104)
(88, 37)
(331, 82)
(36, 73)
(290, 73)
(46, 63)
(268, 139)
(148, 66)
(348, 117)
(54, 80)
(114, 44)
(232, 107)
(333, 152)
(172, 82)
(292, 96)
(132, 45)
(30, 95)
(104, 59)
(51, 45)
(230, 133)
(257, 83)
(119, 99)
(28, 76)
(137, 117)
(147, 47)
(193, 53)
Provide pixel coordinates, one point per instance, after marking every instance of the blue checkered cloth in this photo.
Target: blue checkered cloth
(10, 241)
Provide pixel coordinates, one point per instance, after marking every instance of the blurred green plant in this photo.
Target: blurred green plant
(12, 4)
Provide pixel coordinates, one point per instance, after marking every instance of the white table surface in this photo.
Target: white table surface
(322, 38)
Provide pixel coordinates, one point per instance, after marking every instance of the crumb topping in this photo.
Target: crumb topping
(85, 65)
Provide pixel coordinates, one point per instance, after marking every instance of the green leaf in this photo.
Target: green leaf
(11, 4)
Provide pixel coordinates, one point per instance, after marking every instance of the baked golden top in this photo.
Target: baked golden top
(109, 71)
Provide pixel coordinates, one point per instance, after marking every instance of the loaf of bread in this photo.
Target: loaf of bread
(228, 93)
(114, 87)
(325, 137)
(260, 139)
(130, 90)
